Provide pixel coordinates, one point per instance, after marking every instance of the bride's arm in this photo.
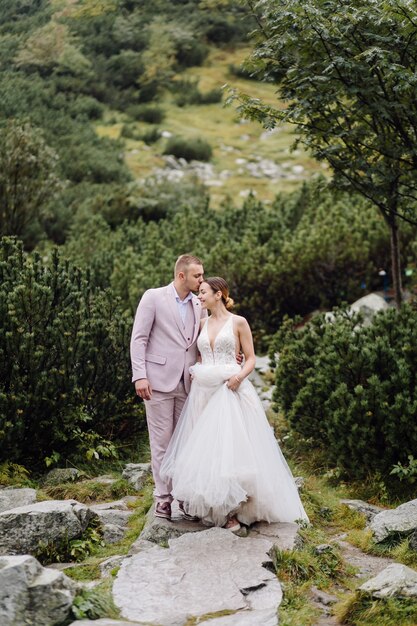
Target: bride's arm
(246, 344)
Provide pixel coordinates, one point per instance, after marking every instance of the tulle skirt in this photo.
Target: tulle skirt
(223, 457)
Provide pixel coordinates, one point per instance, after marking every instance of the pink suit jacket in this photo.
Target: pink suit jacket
(159, 347)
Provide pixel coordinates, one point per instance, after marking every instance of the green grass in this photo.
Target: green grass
(221, 127)
(88, 491)
(359, 609)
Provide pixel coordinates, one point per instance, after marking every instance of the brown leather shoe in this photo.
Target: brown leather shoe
(163, 509)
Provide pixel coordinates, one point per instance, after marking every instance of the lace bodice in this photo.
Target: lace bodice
(224, 349)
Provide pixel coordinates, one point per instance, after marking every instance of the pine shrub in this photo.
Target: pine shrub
(64, 361)
(352, 389)
(193, 149)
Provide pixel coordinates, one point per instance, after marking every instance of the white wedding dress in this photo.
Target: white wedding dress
(223, 456)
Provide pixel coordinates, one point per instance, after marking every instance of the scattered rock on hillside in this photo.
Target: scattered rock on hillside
(395, 580)
(22, 529)
(11, 498)
(402, 520)
(32, 594)
(136, 474)
(369, 510)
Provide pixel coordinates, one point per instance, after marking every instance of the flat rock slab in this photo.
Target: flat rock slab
(395, 580)
(401, 520)
(12, 498)
(200, 573)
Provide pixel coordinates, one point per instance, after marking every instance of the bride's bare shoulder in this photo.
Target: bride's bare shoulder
(240, 321)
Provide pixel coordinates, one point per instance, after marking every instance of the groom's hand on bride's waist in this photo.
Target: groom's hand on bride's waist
(239, 358)
(143, 388)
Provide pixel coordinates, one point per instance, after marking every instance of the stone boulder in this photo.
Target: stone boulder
(11, 498)
(402, 520)
(369, 510)
(137, 473)
(62, 475)
(24, 528)
(200, 573)
(32, 594)
(369, 305)
(114, 517)
(395, 580)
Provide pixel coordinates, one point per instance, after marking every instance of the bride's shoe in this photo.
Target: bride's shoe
(232, 524)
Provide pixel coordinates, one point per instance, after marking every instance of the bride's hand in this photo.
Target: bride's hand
(233, 383)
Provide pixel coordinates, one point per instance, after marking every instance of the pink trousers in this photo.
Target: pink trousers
(162, 414)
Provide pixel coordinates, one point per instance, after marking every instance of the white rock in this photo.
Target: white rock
(12, 498)
(394, 580)
(369, 305)
(166, 133)
(199, 573)
(401, 520)
(297, 169)
(23, 528)
(32, 594)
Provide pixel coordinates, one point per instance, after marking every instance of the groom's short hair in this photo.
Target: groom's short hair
(184, 261)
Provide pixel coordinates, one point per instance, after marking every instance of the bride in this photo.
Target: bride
(223, 459)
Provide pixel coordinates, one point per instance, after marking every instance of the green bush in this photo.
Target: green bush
(146, 113)
(194, 149)
(352, 389)
(64, 361)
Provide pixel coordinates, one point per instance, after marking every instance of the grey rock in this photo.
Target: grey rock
(369, 305)
(299, 482)
(22, 529)
(32, 594)
(369, 510)
(159, 530)
(402, 520)
(282, 535)
(111, 516)
(322, 597)
(12, 498)
(323, 547)
(139, 546)
(137, 473)
(112, 533)
(61, 475)
(199, 573)
(395, 580)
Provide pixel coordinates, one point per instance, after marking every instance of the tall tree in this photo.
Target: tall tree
(347, 74)
(28, 176)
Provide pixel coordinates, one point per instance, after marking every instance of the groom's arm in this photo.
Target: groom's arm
(142, 326)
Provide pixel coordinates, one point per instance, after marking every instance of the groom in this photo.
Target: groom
(163, 346)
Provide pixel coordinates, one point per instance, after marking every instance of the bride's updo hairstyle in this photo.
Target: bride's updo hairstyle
(217, 283)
